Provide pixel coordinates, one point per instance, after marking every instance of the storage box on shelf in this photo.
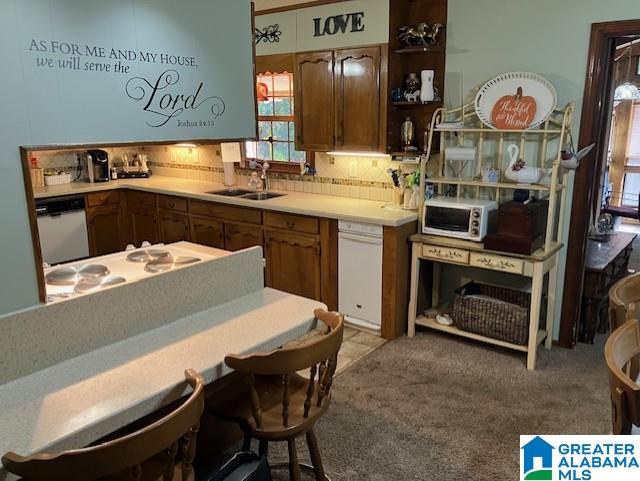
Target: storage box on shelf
(541, 147)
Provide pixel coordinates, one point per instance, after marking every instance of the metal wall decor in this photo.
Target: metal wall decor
(422, 35)
(269, 34)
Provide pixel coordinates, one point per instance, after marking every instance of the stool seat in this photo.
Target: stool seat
(269, 389)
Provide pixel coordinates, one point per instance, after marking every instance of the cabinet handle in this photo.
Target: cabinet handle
(291, 224)
(171, 205)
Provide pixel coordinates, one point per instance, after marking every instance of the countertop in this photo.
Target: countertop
(87, 397)
(340, 208)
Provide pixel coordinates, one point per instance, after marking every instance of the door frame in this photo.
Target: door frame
(594, 122)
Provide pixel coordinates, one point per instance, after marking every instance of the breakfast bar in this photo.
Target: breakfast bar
(65, 398)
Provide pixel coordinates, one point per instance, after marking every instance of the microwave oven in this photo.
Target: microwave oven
(459, 218)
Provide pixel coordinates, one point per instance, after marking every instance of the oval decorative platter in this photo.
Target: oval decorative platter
(516, 100)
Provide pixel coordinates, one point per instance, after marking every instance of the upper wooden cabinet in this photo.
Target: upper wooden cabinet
(358, 93)
(314, 104)
(340, 101)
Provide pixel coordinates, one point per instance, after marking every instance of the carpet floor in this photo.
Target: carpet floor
(440, 408)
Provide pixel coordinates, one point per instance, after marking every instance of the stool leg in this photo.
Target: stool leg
(314, 452)
(294, 467)
(264, 448)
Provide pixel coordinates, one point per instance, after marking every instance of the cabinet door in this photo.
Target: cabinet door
(357, 95)
(104, 225)
(293, 263)
(173, 227)
(208, 232)
(240, 236)
(314, 105)
(143, 224)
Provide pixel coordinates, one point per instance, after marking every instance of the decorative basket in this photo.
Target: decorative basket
(497, 312)
(57, 179)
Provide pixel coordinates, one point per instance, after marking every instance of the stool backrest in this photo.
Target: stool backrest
(624, 301)
(319, 357)
(622, 353)
(174, 435)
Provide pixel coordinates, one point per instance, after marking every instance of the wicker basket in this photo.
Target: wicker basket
(491, 311)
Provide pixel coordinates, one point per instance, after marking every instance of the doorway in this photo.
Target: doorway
(593, 181)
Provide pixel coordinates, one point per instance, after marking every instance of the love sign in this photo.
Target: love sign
(514, 112)
(350, 22)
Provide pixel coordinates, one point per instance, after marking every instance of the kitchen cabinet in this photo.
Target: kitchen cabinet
(314, 103)
(241, 236)
(104, 222)
(294, 262)
(104, 227)
(341, 100)
(143, 224)
(358, 93)
(173, 227)
(208, 232)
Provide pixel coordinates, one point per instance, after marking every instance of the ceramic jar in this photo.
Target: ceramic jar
(427, 94)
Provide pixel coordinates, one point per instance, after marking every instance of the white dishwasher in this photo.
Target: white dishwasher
(360, 274)
(62, 226)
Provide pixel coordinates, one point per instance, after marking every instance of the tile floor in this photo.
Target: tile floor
(356, 345)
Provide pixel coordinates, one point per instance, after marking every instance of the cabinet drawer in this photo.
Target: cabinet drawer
(226, 212)
(497, 263)
(170, 202)
(291, 222)
(446, 254)
(97, 199)
(141, 198)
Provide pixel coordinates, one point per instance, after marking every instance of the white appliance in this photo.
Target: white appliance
(360, 274)
(459, 218)
(62, 226)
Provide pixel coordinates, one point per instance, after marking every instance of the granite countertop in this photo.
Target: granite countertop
(340, 208)
(87, 397)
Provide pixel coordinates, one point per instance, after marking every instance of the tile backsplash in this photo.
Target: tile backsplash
(345, 176)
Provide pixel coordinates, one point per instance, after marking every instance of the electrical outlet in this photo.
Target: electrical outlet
(374, 162)
(353, 169)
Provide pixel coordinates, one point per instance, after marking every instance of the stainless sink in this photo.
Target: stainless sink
(261, 196)
(231, 192)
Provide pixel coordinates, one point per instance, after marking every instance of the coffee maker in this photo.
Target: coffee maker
(95, 166)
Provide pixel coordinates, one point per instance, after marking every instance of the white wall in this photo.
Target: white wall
(550, 37)
(56, 105)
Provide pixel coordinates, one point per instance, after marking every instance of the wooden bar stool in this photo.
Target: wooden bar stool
(624, 301)
(621, 353)
(162, 451)
(280, 405)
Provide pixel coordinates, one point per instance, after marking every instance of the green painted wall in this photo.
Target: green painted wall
(550, 37)
(194, 52)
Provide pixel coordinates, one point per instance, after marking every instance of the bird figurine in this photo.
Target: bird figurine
(517, 170)
(571, 159)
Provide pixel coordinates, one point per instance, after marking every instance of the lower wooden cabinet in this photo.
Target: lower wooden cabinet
(294, 263)
(208, 232)
(143, 224)
(173, 227)
(241, 236)
(104, 226)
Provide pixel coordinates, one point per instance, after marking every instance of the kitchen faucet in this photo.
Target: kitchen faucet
(264, 177)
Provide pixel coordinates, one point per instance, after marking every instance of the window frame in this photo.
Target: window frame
(276, 64)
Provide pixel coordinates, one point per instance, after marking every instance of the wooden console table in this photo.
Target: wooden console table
(442, 250)
(605, 263)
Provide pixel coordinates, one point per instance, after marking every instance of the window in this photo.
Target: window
(631, 175)
(276, 122)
